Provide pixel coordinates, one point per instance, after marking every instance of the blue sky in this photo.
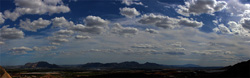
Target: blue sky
(174, 32)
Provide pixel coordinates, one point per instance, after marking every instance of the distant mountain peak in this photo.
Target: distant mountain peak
(40, 64)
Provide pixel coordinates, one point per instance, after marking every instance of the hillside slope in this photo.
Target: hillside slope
(3, 73)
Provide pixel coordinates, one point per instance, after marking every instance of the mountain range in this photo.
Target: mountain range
(96, 65)
(123, 65)
(40, 64)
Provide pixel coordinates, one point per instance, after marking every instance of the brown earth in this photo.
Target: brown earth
(3, 73)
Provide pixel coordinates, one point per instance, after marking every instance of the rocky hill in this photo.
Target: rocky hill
(123, 65)
(3, 73)
(238, 70)
(41, 64)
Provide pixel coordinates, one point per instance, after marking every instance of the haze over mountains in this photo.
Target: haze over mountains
(122, 65)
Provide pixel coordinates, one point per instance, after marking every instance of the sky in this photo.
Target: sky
(172, 32)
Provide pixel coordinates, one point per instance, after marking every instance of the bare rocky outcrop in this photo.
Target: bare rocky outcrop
(3, 73)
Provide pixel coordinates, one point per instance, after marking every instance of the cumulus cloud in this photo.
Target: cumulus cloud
(151, 18)
(34, 25)
(153, 31)
(36, 7)
(118, 29)
(61, 22)
(11, 15)
(233, 28)
(222, 29)
(245, 22)
(129, 12)
(20, 50)
(197, 7)
(2, 43)
(82, 37)
(60, 36)
(54, 43)
(158, 20)
(142, 46)
(168, 22)
(85, 29)
(213, 52)
(44, 48)
(237, 28)
(190, 23)
(93, 25)
(235, 7)
(131, 2)
(177, 44)
(1, 18)
(95, 21)
(58, 40)
(64, 32)
(11, 33)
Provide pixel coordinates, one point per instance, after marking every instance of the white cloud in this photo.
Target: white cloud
(60, 36)
(237, 8)
(61, 22)
(168, 22)
(131, 2)
(237, 28)
(197, 7)
(85, 29)
(129, 12)
(153, 31)
(233, 28)
(78, 27)
(177, 44)
(118, 29)
(213, 52)
(36, 7)
(190, 23)
(1, 18)
(11, 15)
(215, 22)
(245, 22)
(142, 46)
(2, 43)
(151, 18)
(58, 40)
(44, 48)
(34, 25)
(11, 33)
(222, 29)
(82, 37)
(95, 21)
(158, 20)
(64, 32)
(245, 14)
(54, 43)
(93, 25)
(20, 50)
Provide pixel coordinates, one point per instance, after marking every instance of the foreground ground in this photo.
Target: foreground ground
(100, 73)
